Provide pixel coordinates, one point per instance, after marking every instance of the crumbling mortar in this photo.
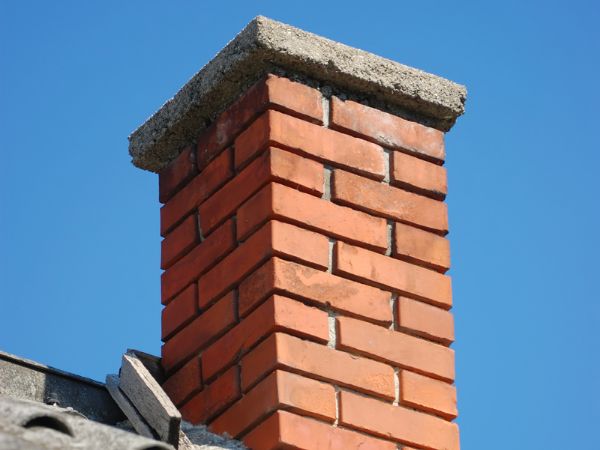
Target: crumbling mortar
(387, 153)
(396, 401)
(394, 308)
(337, 405)
(389, 236)
(327, 172)
(330, 261)
(332, 327)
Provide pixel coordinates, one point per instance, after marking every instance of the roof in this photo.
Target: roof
(45, 408)
(265, 45)
(25, 424)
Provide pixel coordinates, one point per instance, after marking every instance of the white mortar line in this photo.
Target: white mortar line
(326, 108)
(331, 244)
(386, 165)
(389, 235)
(394, 308)
(331, 322)
(326, 182)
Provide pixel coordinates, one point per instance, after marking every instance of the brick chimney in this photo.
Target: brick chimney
(305, 298)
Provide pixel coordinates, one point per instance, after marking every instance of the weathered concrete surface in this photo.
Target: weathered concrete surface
(30, 425)
(266, 45)
(24, 379)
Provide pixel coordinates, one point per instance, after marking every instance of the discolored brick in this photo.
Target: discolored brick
(308, 284)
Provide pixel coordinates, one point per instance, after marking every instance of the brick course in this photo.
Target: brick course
(306, 304)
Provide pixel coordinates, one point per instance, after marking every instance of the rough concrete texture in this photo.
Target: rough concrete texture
(30, 425)
(266, 45)
(29, 380)
(205, 440)
(200, 437)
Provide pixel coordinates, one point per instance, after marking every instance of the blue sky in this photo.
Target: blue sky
(79, 236)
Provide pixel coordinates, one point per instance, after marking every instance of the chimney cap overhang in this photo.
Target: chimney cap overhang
(265, 45)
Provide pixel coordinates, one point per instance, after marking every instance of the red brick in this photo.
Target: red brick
(421, 247)
(396, 348)
(387, 129)
(379, 270)
(184, 382)
(196, 191)
(290, 431)
(179, 241)
(427, 394)
(276, 314)
(310, 285)
(279, 390)
(200, 332)
(273, 165)
(215, 397)
(419, 176)
(271, 92)
(198, 261)
(276, 201)
(425, 320)
(387, 201)
(273, 239)
(179, 311)
(177, 174)
(274, 128)
(394, 422)
(281, 351)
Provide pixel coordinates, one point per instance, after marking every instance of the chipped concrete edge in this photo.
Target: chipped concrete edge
(265, 44)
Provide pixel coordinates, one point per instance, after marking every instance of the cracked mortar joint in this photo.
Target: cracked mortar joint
(265, 46)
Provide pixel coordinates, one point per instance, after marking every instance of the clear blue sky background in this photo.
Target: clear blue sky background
(79, 239)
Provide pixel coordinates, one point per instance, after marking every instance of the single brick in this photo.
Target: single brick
(179, 311)
(394, 422)
(310, 285)
(276, 314)
(275, 128)
(201, 331)
(184, 382)
(179, 241)
(213, 399)
(425, 320)
(273, 165)
(388, 201)
(387, 129)
(271, 92)
(177, 174)
(316, 360)
(276, 201)
(420, 176)
(290, 431)
(198, 261)
(273, 239)
(396, 348)
(421, 247)
(295, 98)
(196, 191)
(379, 270)
(427, 394)
(280, 390)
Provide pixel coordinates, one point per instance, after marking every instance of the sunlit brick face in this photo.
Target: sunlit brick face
(305, 298)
